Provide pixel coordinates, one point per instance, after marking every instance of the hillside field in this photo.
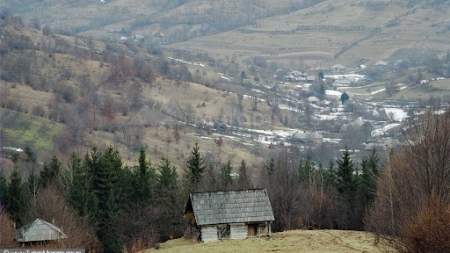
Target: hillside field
(289, 241)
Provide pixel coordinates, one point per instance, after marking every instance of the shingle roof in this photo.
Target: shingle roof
(231, 207)
(38, 230)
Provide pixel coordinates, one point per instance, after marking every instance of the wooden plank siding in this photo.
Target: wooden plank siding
(238, 231)
(209, 233)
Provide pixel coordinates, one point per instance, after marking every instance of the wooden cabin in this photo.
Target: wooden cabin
(229, 214)
(38, 231)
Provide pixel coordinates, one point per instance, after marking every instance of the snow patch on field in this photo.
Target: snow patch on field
(377, 91)
(396, 114)
(333, 93)
(382, 130)
(331, 140)
(286, 107)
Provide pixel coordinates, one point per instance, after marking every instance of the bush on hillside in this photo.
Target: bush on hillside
(430, 231)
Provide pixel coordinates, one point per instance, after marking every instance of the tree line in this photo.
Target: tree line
(106, 206)
(134, 207)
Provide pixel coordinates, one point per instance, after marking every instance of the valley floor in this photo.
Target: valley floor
(289, 241)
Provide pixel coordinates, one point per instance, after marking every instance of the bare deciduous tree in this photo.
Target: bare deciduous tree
(52, 207)
(7, 231)
(412, 179)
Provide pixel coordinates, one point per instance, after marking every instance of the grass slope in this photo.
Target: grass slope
(289, 241)
(22, 130)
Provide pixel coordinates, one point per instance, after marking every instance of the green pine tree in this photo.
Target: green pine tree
(170, 221)
(367, 186)
(374, 164)
(306, 170)
(270, 167)
(127, 196)
(167, 177)
(18, 203)
(4, 189)
(81, 196)
(243, 181)
(105, 170)
(144, 178)
(344, 175)
(344, 97)
(195, 169)
(225, 174)
(50, 172)
(346, 186)
(330, 175)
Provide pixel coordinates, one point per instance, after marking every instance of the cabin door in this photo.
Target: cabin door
(252, 229)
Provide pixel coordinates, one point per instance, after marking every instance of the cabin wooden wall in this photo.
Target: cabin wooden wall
(238, 231)
(209, 233)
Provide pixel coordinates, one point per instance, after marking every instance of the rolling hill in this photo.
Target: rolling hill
(318, 33)
(211, 61)
(55, 89)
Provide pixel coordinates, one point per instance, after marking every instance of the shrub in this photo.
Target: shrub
(430, 231)
(38, 110)
(7, 231)
(66, 92)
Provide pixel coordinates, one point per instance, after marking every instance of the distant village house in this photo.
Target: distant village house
(337, 68)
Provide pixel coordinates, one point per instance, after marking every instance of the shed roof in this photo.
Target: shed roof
(221, 207)
(38, 230)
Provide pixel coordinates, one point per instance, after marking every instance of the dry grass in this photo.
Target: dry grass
(29, 97)
(290, 241)
(156, 141)
(441, 84)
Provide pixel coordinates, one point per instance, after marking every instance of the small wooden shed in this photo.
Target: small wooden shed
(38, 231)
(230, 214)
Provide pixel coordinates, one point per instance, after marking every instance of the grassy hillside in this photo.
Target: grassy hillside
(20, 130)
(290, 241)
(202, 55)
(59, 89)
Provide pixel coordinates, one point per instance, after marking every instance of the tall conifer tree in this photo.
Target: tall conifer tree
(346, 186)
(81, 195)
(50, 172)
(105, 170)
(243, 181)
(170, 220)
(225, 174)
(17, 201)
(195, 169)
(145, 178)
